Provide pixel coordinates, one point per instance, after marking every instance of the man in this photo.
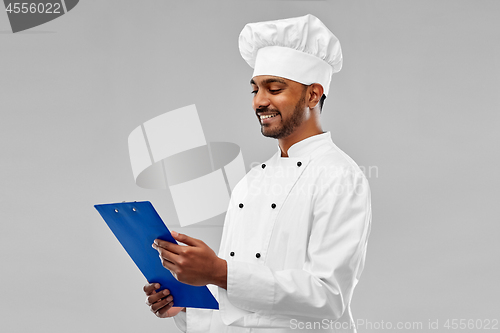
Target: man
(296, 229)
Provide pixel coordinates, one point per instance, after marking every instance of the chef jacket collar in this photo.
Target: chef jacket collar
(308, 145)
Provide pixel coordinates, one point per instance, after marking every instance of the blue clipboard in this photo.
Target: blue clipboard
(136, 225)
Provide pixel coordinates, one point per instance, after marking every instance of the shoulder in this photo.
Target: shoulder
(330, 162)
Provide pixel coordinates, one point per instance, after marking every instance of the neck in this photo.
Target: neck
(297, 136)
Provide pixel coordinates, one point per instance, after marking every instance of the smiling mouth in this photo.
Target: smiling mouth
(267, 117)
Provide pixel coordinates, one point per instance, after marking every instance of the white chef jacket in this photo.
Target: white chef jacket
(294, 239)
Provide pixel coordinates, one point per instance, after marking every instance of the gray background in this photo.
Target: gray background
(417, 104)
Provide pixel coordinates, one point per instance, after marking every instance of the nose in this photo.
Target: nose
(260, 100)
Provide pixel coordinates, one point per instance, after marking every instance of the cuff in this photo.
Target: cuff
(198, 320)
(250, 286)
(180, 321)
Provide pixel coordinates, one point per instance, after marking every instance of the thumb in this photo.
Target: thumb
(185, 239)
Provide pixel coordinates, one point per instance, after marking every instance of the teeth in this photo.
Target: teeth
(268, 116)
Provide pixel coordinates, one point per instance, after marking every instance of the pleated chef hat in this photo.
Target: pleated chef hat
(300, 49)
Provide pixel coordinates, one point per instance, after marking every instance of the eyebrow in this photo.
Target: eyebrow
(267, 81)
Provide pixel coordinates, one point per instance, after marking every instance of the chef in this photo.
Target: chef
(295, 233)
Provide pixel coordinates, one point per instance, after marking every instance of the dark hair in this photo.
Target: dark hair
(321, 101)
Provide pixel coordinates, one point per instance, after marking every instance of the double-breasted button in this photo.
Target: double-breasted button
(273, 206)
(231, 254)
(299, 163)
(240, 205)
(263, 165)
(257, 255)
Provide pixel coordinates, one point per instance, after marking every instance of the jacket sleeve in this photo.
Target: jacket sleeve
(194, 320)
(341, 216)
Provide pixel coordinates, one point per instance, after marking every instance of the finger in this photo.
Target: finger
(150, 300)
(150, 288)
(161, 304)
(164, 311)
(168, 265)
(168, 256)
(186, 239)
(161, 244)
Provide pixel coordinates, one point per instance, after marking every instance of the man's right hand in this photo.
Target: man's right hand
(160, 303)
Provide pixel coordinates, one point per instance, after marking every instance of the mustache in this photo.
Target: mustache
(266, 109)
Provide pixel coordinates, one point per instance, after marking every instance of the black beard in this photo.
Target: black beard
(287, 126)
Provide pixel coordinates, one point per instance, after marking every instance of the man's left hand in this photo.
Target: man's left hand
(195, 264)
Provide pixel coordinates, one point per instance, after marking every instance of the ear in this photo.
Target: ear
(315, 93)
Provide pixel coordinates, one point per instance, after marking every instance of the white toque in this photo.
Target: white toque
(300, 49)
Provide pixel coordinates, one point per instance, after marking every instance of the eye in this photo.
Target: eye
(254, 92)
(274, 91)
